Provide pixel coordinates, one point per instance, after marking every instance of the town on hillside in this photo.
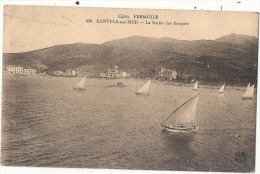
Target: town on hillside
(115, 72)
(160, 73)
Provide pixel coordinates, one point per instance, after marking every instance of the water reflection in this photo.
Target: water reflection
(180, 150)
(178, 141)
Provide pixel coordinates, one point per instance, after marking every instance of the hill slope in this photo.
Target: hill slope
(227, 58)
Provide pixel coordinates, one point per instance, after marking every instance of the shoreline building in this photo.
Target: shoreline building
(14, 69)
(68, 73)
(20, 70)
(166, 73)
(57, 73)
(124, 74)
(29, 71)
(110, 74)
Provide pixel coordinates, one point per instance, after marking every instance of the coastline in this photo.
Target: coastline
(165, 82)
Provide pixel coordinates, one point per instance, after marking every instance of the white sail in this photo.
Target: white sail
(187, 114)
(184, 115)
(249, 93)
(196, 86)
(144, 89)
(81, 84)
(221, 90)
(248, 86)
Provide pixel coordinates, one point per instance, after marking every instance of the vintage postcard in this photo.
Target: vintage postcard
(107, 88)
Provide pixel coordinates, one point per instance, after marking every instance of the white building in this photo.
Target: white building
(20, 70)
(110, 74)
(57, 72)
(166, 73)
(124, 74)
(174, 74)
(15, 69)
(29, 71)
(70, 72)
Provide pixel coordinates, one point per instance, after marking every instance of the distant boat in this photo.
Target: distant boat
(118, 84)
(248, 86)
(221, 90)
(195, 87)
(144, 90)
(183, 119)
(249, 93)
(80, 85)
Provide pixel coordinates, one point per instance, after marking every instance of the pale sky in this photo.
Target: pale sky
(29, 28)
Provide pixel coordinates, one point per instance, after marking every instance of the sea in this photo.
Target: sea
(45, 123)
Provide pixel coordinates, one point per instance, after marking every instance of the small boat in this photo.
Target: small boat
(249, 93)
(118, 84)
(144, 90)
(183, 119)
(221, 90)
(195, 87)
(80, 85)
(248, 86)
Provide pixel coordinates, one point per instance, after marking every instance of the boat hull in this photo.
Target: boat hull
(247, 98)
(79, 89)
(117, 86)
(141, 93)
(181, 130)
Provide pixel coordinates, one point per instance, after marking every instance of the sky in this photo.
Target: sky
(28, 28)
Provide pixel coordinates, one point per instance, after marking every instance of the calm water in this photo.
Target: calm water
(46, 123)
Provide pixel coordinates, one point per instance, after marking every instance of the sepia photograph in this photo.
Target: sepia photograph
(132, 89)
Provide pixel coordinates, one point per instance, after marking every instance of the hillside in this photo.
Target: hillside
(231, 57)
(238, 39)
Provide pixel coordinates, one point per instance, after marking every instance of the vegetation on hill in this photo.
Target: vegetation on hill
(230, 58)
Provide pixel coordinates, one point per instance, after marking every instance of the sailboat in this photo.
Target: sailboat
(144, 90)
(248, 86)
(195, 87)
(183, 119)
(221, 90)
(249, 93)
(80, 85)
